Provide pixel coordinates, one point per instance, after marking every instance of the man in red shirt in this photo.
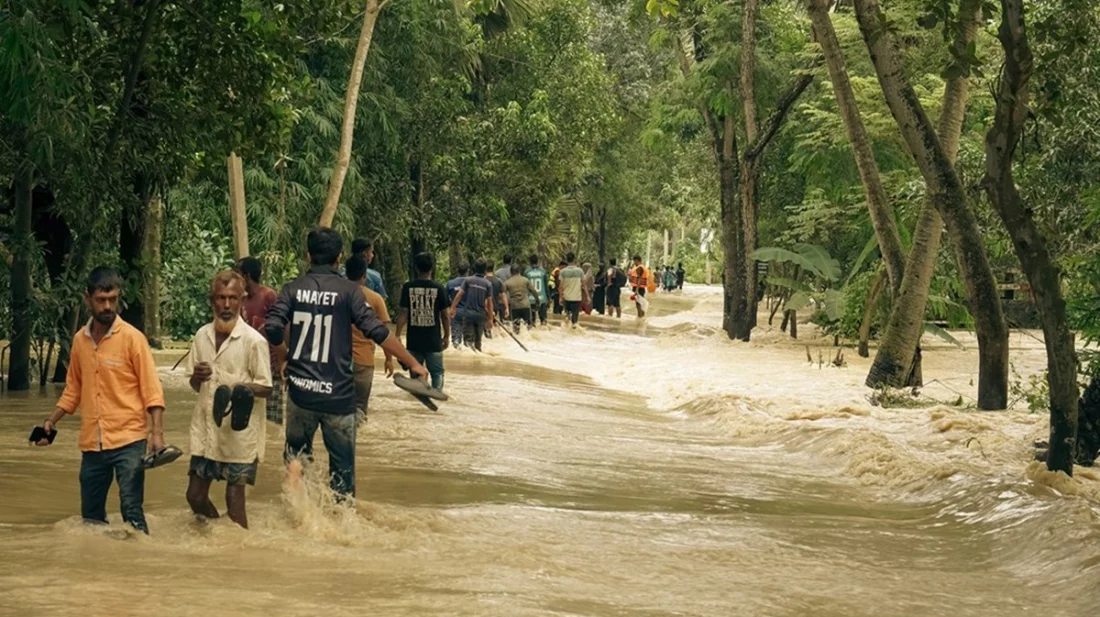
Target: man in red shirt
(260, 299)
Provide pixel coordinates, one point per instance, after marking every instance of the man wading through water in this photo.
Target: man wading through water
(424, 310)
(321, 308)
(572, 288)
(258, 301)
(477, 294)
(230, 368)
(113, 379)
(362, 348)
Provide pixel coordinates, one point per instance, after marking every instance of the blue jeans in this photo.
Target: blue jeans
(433, 361)
(97, 469)
(338, 433)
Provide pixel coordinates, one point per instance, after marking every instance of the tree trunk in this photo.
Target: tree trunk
(131, 250)
(744, 312)
(1042, 271)
(886, 231)
(873, 295)
(906, 321)
(733, 270)
(794, 323)
(744, 317)
(79, 258)
(351, 101)
(19, 371)
(237, 213)
(154, 234)
(949, 197)
(454, 253)
(786, 320)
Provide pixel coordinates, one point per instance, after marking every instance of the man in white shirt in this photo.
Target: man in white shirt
(230, 369)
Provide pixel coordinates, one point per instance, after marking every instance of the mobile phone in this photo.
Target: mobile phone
(39, 433)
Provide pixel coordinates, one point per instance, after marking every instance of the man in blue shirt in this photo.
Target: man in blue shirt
(365, 247)
(477, 291)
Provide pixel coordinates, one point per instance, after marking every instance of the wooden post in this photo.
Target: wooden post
(236, 206)
(664, 260)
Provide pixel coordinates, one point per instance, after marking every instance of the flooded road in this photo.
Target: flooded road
(626, 469)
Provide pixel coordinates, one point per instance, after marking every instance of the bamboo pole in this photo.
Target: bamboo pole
(236, 205)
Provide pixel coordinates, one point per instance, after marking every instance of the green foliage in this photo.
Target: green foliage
(194, 255)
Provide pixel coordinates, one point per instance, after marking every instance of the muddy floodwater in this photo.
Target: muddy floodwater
(625, 469)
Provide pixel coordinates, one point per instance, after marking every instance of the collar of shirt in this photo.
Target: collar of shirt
(116, 325)
(323, 270)
(211, 334)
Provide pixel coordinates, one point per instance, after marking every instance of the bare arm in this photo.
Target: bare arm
(278, 316)
(402, 319)
(458, 298)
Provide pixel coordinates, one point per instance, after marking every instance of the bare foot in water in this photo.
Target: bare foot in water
(294, 474)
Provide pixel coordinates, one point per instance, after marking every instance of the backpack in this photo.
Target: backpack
(618, 279)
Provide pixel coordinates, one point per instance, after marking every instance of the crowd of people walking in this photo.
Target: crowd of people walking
(303, 357)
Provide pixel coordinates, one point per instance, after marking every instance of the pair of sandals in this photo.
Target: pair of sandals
(421, 390)
(163, 456)
(234, 403)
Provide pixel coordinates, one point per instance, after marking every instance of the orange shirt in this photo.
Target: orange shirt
(113, 383)
(362, 348)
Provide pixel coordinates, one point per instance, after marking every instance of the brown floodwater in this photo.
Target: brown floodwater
(620, 470)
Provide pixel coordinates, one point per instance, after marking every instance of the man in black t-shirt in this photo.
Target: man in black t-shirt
(424, 310)
(321, 307)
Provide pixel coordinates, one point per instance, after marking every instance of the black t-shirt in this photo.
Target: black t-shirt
(498, 291)
(425, 301)
(321, 307)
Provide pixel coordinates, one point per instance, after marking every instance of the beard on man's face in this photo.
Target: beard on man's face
(105, 317)
(225, 321)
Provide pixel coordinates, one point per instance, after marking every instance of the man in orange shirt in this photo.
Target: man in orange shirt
(113, 380)
(362, 348)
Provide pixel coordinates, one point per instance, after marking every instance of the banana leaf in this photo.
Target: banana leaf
(939, 332)
(799, 300)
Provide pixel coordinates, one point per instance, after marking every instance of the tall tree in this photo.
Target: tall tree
(738, 170)
(947, 193)
(882, 218)
(351, 102)
(1043, 273)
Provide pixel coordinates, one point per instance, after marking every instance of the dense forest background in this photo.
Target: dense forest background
(494, 127)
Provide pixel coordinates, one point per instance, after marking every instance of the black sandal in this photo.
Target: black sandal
(241, 407)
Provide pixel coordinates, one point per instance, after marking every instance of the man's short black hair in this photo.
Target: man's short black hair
(613, 262)
(463, 269)
(480, 266)
(533, 260)
(570, 257)
(424, 263)
(103, 278)
(251, 268)
(361, 245)
(515, 269)
(507, 260)
(562, 263)
(489, 266)
(324, 245)
(637, 258)
(356, 267)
